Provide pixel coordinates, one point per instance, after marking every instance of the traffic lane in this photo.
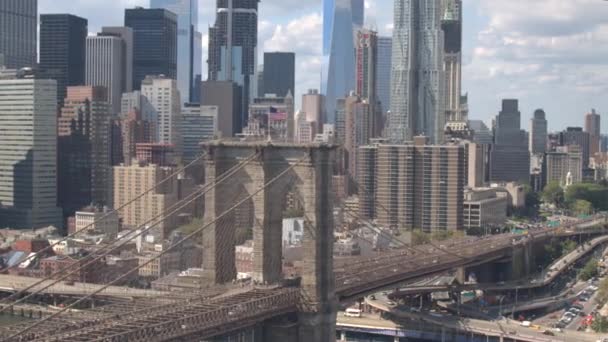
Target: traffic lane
(588, 307)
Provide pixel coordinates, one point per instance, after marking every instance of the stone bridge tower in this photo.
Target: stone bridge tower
(306, 174)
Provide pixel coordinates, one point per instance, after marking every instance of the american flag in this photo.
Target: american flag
(275, 115)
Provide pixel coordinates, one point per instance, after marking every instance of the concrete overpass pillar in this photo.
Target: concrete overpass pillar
(461, 275)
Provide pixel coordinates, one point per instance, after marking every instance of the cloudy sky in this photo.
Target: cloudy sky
(550, 54)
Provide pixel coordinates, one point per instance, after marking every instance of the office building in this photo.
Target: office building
(28, 151)
(260, 80)
(313, 106)
(366, 62)
(109, 63)
(189, 44)
(383, 73)
(63, 50)
(226, 96)
(451, 25)
(131, 181)
(417, 186)
(199, 123)
(538, 132)
(604, 143)
(155, 153)
(477, 164)
(481, 134)
(509, 156)
(97, 220)
(271, 117)
(564, 165)
(340, 19)
(484, 209)
(233, 42)
(154, 43)
(165, 109)
(84, 149)
(576, 136)
(279, 73)
(19, 33)
(134, 129)
(305, 131)
(357, 132)
(417, 86)
(593, 125)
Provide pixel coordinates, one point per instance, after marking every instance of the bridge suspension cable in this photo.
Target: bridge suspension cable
(106, 215)
(169, 249)
(108, 249)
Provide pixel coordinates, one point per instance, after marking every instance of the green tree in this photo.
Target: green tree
(589, 271)
(600, 324)
(595, 194)
(581, 207)
(602, 292)
(553, 194)
(567, 247)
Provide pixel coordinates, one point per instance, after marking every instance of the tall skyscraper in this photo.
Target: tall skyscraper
(18, 33)
(366, 61)
(189, 45)
(451, 25)
(163, 96)
(133, 130)
(413, 186)
(576, 136)
(63, 50)
(84, 149)
(417, 86)
(313, 107)
(233, 42)
(28, 151)
(509, 156)
(357, 133)
(226, 95)
(383, 72)
(279, 73)
(538, 132)
(340, 19)
(593, 126)
(155, 43)
(107, 63)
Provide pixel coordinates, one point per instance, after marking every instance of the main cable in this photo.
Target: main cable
(161, 217)
(170, 248)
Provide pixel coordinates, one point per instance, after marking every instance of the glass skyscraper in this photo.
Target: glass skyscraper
(154, 43)
(383, 71)
(340, 20)
(189, 44)
(18, 32)
(417, 86)
(233, 42)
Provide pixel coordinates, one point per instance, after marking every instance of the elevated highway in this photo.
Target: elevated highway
(201, 317)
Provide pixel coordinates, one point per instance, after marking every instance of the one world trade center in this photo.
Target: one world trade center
(340, 20)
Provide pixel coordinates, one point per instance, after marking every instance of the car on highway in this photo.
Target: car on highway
(548, 333)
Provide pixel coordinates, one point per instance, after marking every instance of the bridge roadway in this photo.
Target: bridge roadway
(200, 317)
(502, 329)
(360, 277)
(12, 283)
(545, 278)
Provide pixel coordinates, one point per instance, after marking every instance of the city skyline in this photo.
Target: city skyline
(534, 72)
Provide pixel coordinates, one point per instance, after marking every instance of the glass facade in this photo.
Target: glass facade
(383, 72)
(417, 84)
(189, 43)
(18, 33)
(155, 43)
(340, 20)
